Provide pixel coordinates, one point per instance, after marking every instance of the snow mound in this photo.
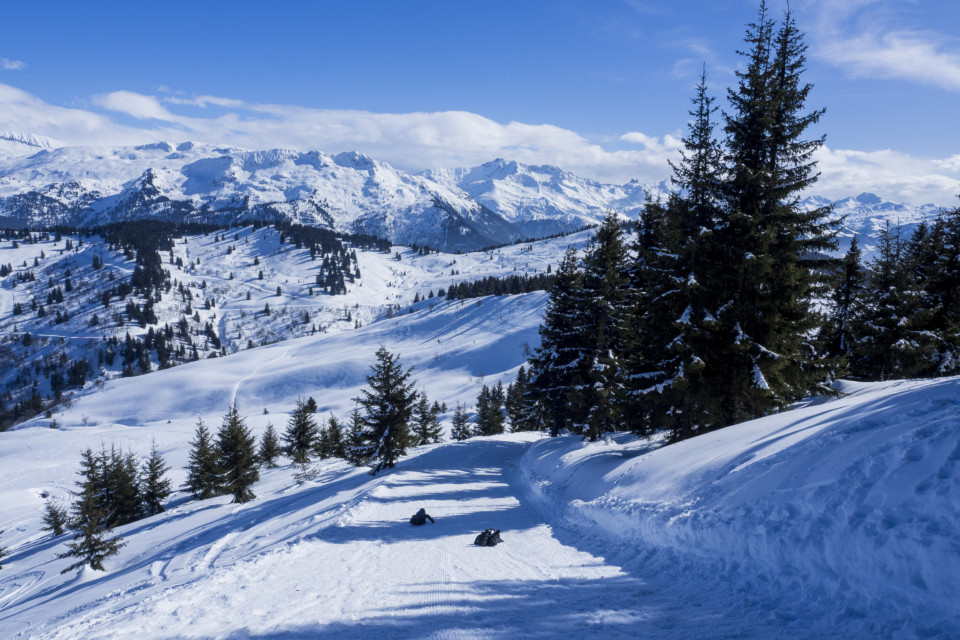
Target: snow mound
(848, 508)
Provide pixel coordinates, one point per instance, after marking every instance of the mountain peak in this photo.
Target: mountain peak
(868, 198)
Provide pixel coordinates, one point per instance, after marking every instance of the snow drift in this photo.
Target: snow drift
(847, 509)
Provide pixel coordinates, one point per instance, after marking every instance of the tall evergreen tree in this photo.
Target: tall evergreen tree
(490, 417)
(387, 409)
(269, 449)
(892, 338)
(203, 471)
(944, 287)
(606, 306)
(154, 488)
(237, 458)
(301, 435)
(772, 246)
(113, 480)
(558, 368)
(519, 412)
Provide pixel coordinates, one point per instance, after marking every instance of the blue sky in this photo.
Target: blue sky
(598, 88)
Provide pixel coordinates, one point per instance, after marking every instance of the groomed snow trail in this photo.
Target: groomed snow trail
(337, 557)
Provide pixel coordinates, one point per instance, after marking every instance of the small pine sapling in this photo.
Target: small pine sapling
(55, 519)
(269, 448)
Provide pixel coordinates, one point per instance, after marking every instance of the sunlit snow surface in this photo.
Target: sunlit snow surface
(833, 520)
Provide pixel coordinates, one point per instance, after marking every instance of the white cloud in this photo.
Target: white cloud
(867, 40)
(12, 65)
(204, 101)
(415, 141)
(135, 104)
(893, 175)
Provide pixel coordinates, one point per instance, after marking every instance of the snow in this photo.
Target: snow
(835, 519)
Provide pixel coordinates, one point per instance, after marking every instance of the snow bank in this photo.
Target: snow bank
(848, 508)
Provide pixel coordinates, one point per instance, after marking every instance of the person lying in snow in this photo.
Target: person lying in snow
(488, 538)
(420, 517)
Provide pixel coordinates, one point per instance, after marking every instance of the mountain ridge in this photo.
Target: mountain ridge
(495, 203)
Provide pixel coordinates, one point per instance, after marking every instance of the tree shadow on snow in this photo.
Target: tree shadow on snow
(608, 607)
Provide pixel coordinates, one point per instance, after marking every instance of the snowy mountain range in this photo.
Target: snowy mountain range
(43, 183)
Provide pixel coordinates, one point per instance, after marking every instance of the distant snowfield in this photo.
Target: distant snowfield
(833, 520)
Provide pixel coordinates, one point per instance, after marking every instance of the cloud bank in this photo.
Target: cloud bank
(416, 141)
(868, 39)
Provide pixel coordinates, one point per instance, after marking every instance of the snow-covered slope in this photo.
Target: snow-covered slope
(833, 520)
(838, 519)
(222, 282)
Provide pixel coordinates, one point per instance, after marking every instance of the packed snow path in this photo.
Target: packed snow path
(336, 557)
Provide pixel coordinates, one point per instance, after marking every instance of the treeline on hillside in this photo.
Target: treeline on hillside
(898, 315)
(507, 285)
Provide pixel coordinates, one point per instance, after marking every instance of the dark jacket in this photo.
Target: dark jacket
(420, 517)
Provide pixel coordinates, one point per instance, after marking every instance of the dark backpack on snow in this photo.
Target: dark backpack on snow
(488, 538)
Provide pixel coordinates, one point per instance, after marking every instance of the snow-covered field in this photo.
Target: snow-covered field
(837, 519)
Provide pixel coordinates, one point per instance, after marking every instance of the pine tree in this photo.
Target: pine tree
(301, 435)
(674, 277)
(203, 472)
(606, 306)
(558, 369)
(944, 287)
(460, 426)
(771, 246)
(848, 303)
(490, 417)
(3, 552)
(356, 441)
(269, 448)
(90, 544)
(236, 456)
(154, 488)
(426, 421)
(333, 436)
(387, 409)
(892, 338)
(515, 405)
(116, 485)
(55, 519)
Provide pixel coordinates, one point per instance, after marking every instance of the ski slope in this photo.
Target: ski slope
(837, 519)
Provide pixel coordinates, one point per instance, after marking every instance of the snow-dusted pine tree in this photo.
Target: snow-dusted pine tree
(269, 449)
(236, 456)
(301, 434)
(154, 488)
(387, 410)
(203, 472)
